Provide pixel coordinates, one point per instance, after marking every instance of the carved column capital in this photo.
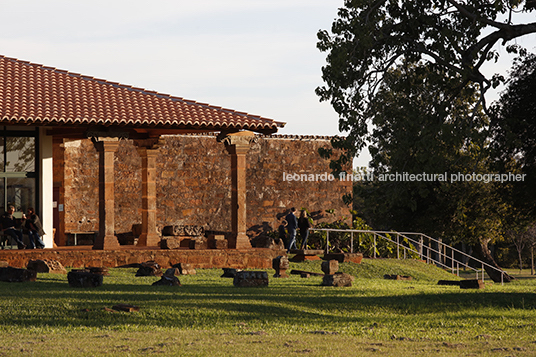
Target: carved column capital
(238, 143)
(149, 143)
(106, 144)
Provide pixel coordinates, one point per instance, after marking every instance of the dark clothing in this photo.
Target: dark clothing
(35, 231)
(304, 225)
(9, 224)
(33, 223)
(292, 221)
(17, 235)
(8, 221)
(283, 234)
(292, 224)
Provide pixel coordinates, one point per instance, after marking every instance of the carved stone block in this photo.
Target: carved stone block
(330, 267)
(46, 266)
(337, 280)
(17, 275)
(250, 279)
(84, 279)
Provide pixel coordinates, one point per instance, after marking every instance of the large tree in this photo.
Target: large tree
(371, 37)
(411, 137)
(440, 127)
(513, 128)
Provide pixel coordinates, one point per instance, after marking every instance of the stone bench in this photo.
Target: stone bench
(75, 235)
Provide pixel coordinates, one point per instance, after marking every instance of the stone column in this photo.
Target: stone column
(106, 238)
(148, 151)
(237, 144)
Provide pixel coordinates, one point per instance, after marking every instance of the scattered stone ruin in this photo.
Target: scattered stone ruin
(82, 278)
(280, 265)
(17, 275)
(149, 269)
(183, 236)
(46, 266)
(250, 279)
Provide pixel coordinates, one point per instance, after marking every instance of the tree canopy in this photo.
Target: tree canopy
(513, 132)
(372, 37)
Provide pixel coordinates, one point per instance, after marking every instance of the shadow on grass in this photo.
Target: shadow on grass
(51, 302)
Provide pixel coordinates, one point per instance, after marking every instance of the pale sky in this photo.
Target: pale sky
(255, 56)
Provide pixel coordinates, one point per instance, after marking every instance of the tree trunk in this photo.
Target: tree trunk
(531, 260)
(520, 261)
(482, 253)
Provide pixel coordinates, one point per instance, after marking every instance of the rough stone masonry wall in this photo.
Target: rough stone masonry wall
(194, 183)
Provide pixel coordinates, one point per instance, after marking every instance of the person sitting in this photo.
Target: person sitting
(35, 230)
(9, 224)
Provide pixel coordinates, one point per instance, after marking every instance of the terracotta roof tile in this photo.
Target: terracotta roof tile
(34, 94)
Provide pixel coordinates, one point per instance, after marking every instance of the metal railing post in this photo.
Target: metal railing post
(397, 246)
(452, 259)
(327, 242)
(374, 245)
(351, 242)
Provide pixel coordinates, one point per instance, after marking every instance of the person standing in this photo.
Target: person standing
(9, 227)
(304, 224)
(292, 224)
(283, 233)
(35, 230)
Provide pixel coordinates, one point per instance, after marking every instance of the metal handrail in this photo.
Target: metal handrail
(441, 246)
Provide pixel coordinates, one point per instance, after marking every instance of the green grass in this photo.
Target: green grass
(208, 316)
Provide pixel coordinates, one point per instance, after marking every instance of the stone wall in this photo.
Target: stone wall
(209, 258)
(194, 183)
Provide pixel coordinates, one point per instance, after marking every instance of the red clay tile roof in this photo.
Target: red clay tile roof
(32, 94)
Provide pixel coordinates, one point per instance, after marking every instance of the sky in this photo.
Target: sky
(255, 56)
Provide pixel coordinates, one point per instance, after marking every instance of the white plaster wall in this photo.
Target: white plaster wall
(46, 186)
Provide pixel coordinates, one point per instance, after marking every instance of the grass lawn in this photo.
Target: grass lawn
(208, 316)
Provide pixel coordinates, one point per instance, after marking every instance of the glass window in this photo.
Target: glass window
(20, 193)
(20, 154)
(18, 151)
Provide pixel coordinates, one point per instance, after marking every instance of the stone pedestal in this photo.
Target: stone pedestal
(106, 238)
(280, 265)
(330, 267)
